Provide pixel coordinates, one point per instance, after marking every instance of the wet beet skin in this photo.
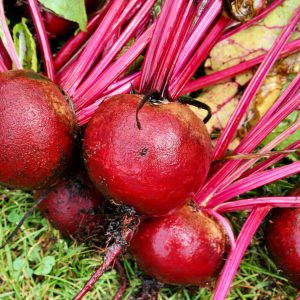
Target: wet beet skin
(155, 169)
(37, 131)
(74, 207)
(283, 240)
(186, 248)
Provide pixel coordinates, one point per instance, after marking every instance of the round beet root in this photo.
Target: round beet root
(74, 207)
(283, 240)
(185, 248)
(156, 169)
(37, 131)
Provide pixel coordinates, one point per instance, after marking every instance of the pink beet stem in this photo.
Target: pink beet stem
(240, 68)
(5, 56)
(178, 83)
(254, 20)
(254, 181)
(163, 32)
(198, 33)
(115, 70)
(43, 38)
(74, 43)
(3, 67)
(255, 83)
(231, 170)
(111, 22)
(234, 259)
(114, 50)
(8, 41)
(246, 204)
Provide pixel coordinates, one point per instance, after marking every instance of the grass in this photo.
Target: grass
(40, 264)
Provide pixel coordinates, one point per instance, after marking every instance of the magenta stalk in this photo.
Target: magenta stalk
(234, 259)
(43, 38)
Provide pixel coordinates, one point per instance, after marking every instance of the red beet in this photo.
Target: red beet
(156, 169)
(37, 131)
(74, 207)
(283, 240)
(186, 248)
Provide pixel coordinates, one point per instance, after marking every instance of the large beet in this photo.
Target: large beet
(37, 131)
(186, 248)
(75, 208)
(283, 240)
(155, 169)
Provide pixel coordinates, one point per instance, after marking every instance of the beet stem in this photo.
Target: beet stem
(8, 41)
(123, 279)
(255, 83)
(43, 38)
(233, 260)
(130, 223)
(21, 222)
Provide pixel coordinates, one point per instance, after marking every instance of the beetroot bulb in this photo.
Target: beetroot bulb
(38, 131)
(155, 169)
(185, 248)
(75, 208)
(283, 240)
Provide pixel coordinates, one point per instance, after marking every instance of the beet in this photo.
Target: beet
(156, 169)
(38, 131)
(75, 208)
(185, 248)
(283, 240)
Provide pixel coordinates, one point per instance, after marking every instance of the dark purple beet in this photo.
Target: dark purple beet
(75, 208)
(38, 131)
(283, 240)
(185, 248)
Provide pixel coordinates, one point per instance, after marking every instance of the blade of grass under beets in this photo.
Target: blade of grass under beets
(228, 172)
(178, 83)
(43, 38)
(111, 22)
(198, 33)
(234, 258)
(255, 83)
(74, 43)
(184, 20)
(8, 41)
(272, 160)
(254, 181)
(114, 50)
(164, 29)
(261, 15)
(246, 204)
(240, 68)
(5, 56)
(115, 70)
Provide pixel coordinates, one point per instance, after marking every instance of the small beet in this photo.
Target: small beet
(75, 208)
(156, 169)
(185, 248)
(38, 131)
(283, 240)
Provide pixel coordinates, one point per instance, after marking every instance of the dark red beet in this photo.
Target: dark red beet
(156, 169)
(74, 207)
(37, 131)
(186, 248)
(283, 240)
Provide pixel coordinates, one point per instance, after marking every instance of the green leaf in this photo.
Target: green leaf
(25, 46)
(14, 216)
(73, 10)
(45, 266)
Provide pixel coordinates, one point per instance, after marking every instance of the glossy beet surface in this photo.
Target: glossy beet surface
(186, 248)
(283, 241)
(155, 169)
(37, 131)
(74, 208)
